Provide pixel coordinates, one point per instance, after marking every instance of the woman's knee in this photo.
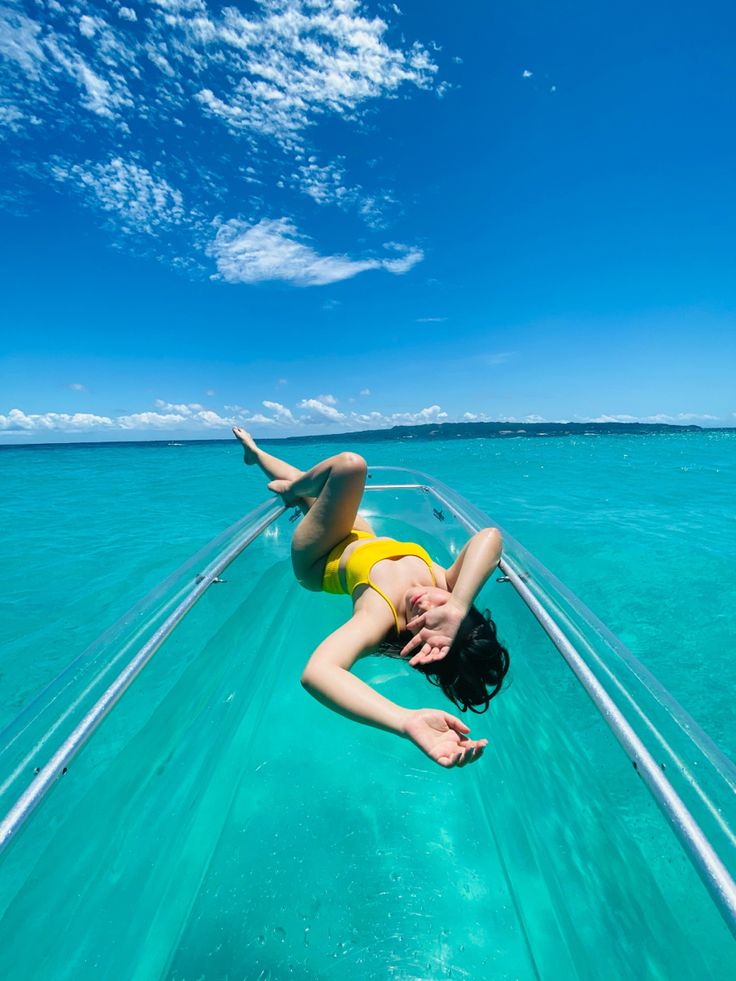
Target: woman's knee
(350, 463)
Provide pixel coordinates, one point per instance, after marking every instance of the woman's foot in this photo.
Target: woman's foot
(283, 489)
(250, 450)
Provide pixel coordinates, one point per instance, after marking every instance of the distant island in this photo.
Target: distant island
(489, 430)
(426, 433)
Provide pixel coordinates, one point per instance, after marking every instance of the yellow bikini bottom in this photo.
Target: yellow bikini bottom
(362, 560)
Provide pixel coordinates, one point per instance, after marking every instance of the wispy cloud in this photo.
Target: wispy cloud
(299, 61)
(77, 387)
(274, 250)
(257, 81)
(140, 201)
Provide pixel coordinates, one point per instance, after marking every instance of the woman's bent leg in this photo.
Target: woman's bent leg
(279, 470)
(337, 483)
(272, 466)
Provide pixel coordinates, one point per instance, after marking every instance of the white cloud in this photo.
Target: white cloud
(365, 391)
(433, 413)
(526, 73)
(324, 184)
(212, 420)
(319, 411)
(297, 62)
(19, 42)
(314, 414)
(610, 418)
(142, 202)
(272, 250)
(103, 96)
(281, 413)
(88, 26)
(268, 76)
(18, 421)
(77, 387)
(150, 420)
(182, 408)
(684, 417)
(680, 418)
(12, 118)
(431, 320)
(405, 263)
(328, 399)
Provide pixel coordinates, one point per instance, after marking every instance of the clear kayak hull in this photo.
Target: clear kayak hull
(223, 824)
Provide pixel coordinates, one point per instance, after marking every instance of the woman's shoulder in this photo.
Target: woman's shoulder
(440, 575)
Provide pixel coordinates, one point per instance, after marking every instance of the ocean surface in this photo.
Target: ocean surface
(642, 528)
(222, 824)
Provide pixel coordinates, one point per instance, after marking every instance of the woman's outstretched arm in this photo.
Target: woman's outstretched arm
(327, 677)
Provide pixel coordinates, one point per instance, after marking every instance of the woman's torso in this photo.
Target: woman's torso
(393, 576)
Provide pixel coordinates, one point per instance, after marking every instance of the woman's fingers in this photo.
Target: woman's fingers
(415, 642)
(416, 622)
(454, 723)
(467, 752)
(421, 656)
(431, 643)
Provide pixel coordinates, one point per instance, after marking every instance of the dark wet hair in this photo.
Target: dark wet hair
(472, 672)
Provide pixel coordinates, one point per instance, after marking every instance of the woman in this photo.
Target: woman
(404, 604)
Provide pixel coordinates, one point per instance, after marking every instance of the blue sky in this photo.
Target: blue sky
(310, 217)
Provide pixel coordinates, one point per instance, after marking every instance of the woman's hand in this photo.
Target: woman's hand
(443, 737)
(435, 632)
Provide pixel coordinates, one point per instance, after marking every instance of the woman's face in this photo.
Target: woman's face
(419, 599)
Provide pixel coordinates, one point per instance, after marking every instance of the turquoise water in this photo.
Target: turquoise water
(641, 528)
(222, 824)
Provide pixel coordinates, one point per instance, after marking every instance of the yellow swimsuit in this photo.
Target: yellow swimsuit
(362, 560)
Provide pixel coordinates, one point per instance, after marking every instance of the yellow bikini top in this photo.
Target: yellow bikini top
(362, 560)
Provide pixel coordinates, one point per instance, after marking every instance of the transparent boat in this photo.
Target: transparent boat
(222, 824)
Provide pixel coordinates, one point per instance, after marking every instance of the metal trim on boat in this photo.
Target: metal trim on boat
(708, 865)
(59, 762)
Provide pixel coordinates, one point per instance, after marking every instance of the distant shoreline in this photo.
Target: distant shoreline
(425, 433)
(493, 430)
